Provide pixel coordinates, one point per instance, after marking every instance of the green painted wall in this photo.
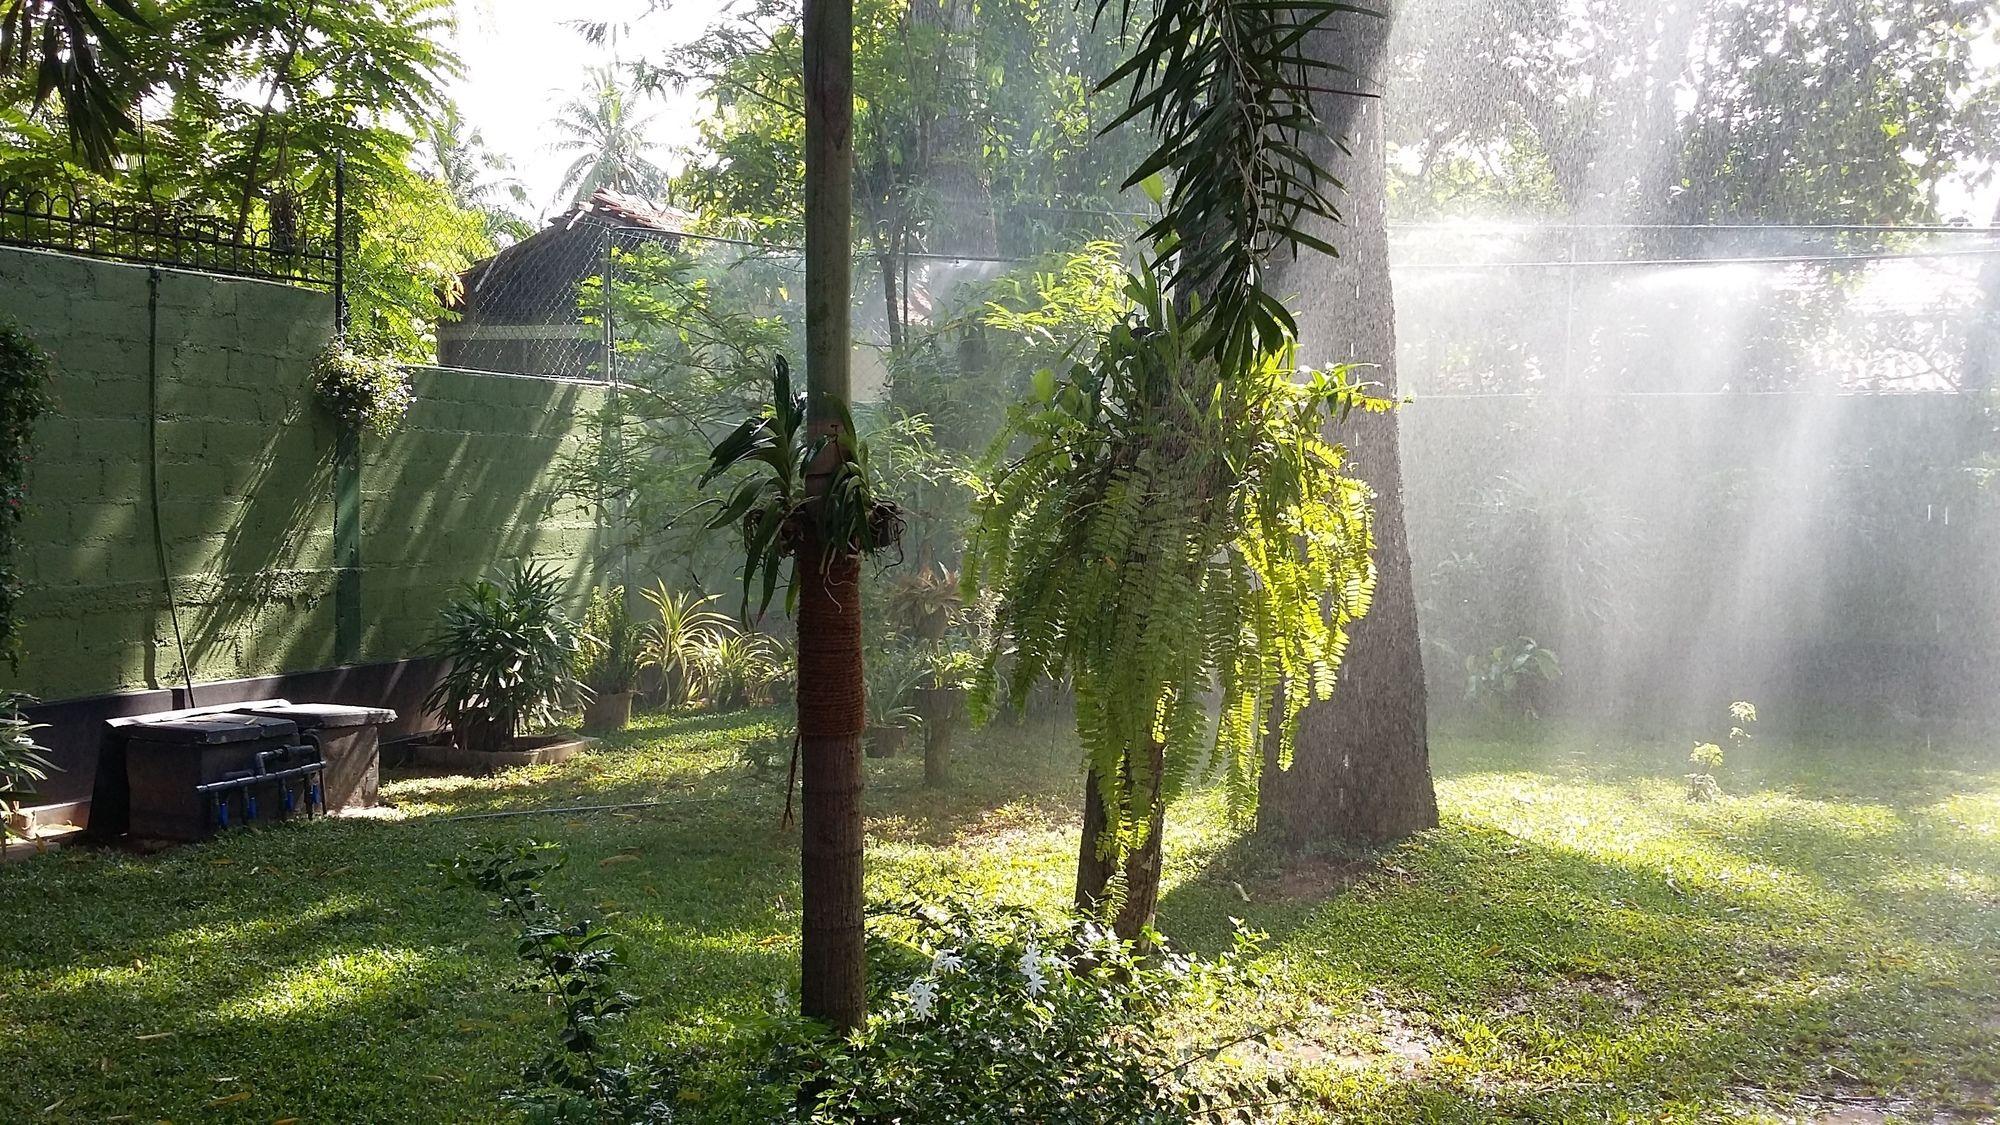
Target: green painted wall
(465, 482)
(246, 483)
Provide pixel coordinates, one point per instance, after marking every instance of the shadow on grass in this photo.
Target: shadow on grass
(1558, 981)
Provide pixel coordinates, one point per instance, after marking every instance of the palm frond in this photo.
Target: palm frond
(1227, 87)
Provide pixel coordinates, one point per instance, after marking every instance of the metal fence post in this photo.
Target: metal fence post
(340, 244)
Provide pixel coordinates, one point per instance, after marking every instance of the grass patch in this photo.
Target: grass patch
(1577, 942)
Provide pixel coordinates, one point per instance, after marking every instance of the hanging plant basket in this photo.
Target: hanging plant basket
(361, 386)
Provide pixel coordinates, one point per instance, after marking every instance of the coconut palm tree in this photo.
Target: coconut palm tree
(478, 178)
(602, 127)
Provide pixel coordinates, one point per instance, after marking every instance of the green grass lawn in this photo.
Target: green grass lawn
(1578, 942)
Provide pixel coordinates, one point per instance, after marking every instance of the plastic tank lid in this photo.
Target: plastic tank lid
(214, 730)
(319, 716)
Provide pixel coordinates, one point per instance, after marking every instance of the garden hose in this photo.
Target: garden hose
(153, 469)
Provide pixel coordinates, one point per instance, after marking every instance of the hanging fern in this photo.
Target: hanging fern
(1184, 548)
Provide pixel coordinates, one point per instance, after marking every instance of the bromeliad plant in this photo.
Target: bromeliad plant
(772, 506)
(894, 678)
(510, 652)
(1178, 545)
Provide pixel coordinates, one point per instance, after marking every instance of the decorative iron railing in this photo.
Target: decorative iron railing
(168, 236)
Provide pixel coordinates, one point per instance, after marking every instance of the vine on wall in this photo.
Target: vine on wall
(24, 398)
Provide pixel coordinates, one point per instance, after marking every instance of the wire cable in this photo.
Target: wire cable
(153, 469)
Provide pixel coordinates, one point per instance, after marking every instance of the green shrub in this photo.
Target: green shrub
(682, 630)
(738, 668)
(983, 1015)
(1707, 757)
(608, 653)
(510, 652)
(23, 761)
(362, 385)
(1510, 676)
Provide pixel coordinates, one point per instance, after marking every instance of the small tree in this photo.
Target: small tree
(1707, 757)
(1174, 519)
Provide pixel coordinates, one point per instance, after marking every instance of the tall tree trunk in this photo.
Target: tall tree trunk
(952, 163)
(1981, 359)
(1140, 866)
(1361, 769)
(833, 967)
(943, 711)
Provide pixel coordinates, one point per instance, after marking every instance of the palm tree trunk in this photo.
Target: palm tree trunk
(833, 967)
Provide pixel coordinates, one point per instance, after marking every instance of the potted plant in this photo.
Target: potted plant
(675, 641)
(948, 672)
(927, 602)
(23, 762)
(892, 683)
(607, 660)
(510, 655)
(738, 668)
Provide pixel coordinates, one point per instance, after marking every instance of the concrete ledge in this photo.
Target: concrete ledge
(443, 755)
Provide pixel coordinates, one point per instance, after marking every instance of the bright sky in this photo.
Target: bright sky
(522, 59)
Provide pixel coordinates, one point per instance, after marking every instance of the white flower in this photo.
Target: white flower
(923, 997)
(1031, 969)
(946, 961)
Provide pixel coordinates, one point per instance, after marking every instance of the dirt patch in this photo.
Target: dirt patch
(1380, 1036)
(1840, 1107)
(1565, 993)
(1313, 877)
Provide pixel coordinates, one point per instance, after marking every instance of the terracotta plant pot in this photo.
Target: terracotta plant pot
(609, 713)
(885, 742)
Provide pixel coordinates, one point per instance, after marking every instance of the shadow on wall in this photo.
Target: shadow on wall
(246, 483)
(469, 482)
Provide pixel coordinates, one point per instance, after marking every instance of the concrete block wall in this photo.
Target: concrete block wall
(245, 489)
(247, 486)
(468, 483)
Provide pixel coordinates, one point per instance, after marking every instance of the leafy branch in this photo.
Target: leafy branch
(1227, 87)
